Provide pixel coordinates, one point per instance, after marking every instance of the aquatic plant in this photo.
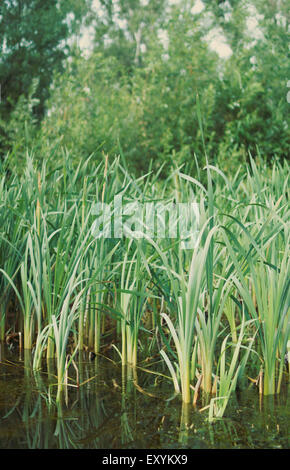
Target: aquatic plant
(204, 308)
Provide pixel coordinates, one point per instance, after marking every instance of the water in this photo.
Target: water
(117, 409)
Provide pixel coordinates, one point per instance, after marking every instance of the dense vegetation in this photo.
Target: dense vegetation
(206, 309)
(139, 91)
(154, 124)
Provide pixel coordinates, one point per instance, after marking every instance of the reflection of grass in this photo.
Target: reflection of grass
(101, 416)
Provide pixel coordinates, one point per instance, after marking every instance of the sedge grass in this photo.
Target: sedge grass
(208, 303)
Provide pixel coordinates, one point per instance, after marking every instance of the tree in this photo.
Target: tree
(231, 16)
(124, 27)
(251, 106)
(150, 109)
(33, 36)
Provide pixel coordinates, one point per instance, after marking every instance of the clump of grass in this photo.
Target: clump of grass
(212, 306)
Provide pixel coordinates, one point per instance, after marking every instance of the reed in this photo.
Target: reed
(264, 287)
(211, 307)
(187, 290)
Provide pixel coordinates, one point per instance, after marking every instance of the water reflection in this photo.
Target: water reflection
(117, 407)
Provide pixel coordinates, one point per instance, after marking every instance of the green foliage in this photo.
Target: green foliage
(31, 36)
(251, 100)
(214, 304)
(194, 128)
(33, 45)
(143, 99)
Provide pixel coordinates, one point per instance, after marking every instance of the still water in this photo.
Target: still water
(117, 408)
